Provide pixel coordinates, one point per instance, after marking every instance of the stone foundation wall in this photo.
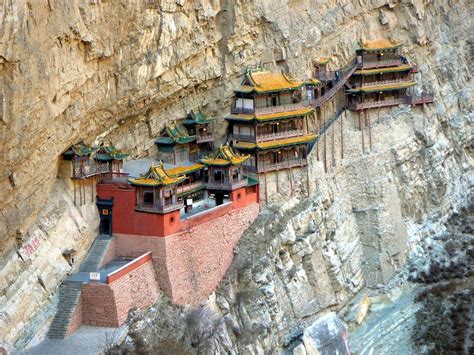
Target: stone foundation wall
(107, 305)
(190, 264)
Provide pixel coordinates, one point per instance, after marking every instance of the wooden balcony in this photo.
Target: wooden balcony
(292, 163)
(241, 111)
(190, 187)
(419, 99)
(89, 170)
(381, 63)
(326, 76)
(375, 104)
(243, 137)
(226, 185)
(159, 209)
(382, 82)
(282, 108)
(279, 135)
(204, 138)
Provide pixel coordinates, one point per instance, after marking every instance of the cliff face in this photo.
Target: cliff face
(118, 71)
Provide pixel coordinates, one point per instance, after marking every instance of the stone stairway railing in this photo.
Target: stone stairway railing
(70, 290)
(96, 254)
(69, 297)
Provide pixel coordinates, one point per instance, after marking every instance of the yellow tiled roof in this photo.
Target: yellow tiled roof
(276, 143)
(271, 116)
(156, 176)
(288, 141)
(379, 44)
(384, 70)
(223, 156)
(265, 81)
(312, 81)
(323, 60)
(183, 169)
(385, 87)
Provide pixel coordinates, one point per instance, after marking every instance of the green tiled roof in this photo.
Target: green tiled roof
(175, 134)
(109, 152)
(79, 149)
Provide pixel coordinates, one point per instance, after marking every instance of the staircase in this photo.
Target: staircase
(96, 254)
(69, 296)
(338, 85)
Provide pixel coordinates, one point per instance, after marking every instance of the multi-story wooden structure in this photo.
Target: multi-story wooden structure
(110, 155)
(174, 144)
(201, 126)
(225, 172)
(268, 120)
(382, 78)
(157, 191)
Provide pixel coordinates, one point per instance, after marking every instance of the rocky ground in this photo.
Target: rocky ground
(427, 309)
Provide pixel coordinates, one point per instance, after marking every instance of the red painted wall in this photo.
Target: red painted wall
(128, 221)
(125, 220)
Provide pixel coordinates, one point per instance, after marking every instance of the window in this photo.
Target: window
(235, 175)
(218, 176)
(274, 101)
(148, 197)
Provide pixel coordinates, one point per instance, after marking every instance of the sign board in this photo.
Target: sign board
(189, 201)
(94, 276)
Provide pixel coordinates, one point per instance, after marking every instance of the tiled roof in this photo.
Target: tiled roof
(322, 60)
(224, 156)
(109, 152)
(276, 143)
(198, 118)
(175, 133)
(271, 116)
(184, 169)
(383, 87)
(156, 176)
(398, 68)
(79, 149)
(267, 82)
(378, 44)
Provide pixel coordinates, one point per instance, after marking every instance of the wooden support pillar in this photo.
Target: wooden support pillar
(307, 179)
(278, 187)
(370, 130)
(378, 115)
(362, 134)
(266, 187)
(333, 147)
(317, 141)
(290, 173)
(74, 183)
(325, 153)
(342, 137)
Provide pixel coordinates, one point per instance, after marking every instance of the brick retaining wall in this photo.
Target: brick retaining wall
(190, 264)
(107, 305)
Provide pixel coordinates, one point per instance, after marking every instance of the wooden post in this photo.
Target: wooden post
(333, 147)
(266, 189)
(317, 141)
(342, 138)
(307, 178)
(370, 130)
(74, 182)
(325, 153)
(278, 188)
(290, 173)
(378, 115)
(362, 134)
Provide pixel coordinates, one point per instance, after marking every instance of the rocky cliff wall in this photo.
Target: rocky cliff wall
(101, 70)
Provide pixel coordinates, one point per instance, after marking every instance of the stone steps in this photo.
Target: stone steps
(69, 296)
(96, 254)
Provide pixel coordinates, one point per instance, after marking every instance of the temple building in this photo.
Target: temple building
(382, 78)
(109, 154)
(225, 172)
(82, 163)
(174, 144)
(269, 121)
(157, 191)
(201, 126)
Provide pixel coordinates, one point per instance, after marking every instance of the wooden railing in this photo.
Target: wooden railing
(381, 64)
(384, 82)
(203, 138)
(159, 209)
(226, 185)
(90, 169)
(240, 110)
(279, 135)
(419, 99)
(292, 163)
(375, 104)
(326, 76)
(282, 108)
(189, 187)
(243, 137)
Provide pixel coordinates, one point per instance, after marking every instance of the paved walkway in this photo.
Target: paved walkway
(86, 340)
